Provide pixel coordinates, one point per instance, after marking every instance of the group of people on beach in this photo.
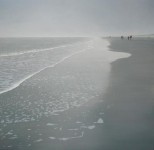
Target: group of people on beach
(129, 37)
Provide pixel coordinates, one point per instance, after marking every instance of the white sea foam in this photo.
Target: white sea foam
(39, 140)
(100, 120)
(16, 84)
(73, 137)
(90, 127)
(67, 138)
(38, 50)
(52, 138)
(73, 129)
(51, 124)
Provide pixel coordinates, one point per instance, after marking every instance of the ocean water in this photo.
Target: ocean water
(33, 97)
(21, 58)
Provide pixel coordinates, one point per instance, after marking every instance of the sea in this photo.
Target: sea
(31, 101)
(21, 58)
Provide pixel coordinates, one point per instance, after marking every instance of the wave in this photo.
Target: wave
(29, 76)
(40, 50)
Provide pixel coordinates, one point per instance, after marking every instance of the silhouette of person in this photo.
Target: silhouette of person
(122, 37)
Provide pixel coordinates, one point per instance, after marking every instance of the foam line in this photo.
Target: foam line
(74, 137)
(40, 50)
(21, 81)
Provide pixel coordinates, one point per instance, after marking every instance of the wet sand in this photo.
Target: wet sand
(129, 114)
(118, 116)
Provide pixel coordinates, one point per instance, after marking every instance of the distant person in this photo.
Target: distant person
(128, 37)
(122, 37)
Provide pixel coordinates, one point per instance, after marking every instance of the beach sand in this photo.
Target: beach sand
(129, 115)
(114, 108)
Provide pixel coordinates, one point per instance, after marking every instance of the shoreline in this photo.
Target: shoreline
(63, 59)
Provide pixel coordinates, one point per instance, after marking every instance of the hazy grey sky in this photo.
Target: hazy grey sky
(76, 17)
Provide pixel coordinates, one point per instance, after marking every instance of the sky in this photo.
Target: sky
(76, 17)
